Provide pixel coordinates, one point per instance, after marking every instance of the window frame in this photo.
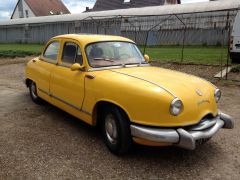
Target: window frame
(27, 13)
(87, 58)
(48, 60)
(68, 65)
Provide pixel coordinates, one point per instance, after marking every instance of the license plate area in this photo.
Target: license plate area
(200, 142)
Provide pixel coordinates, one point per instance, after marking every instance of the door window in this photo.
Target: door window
(52, 51)
(71, 54)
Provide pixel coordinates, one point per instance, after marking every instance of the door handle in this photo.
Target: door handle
(89, 76)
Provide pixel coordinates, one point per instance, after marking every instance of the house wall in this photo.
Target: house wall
(24, 8)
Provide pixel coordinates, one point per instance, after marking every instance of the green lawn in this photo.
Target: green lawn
(192, 54)
(19, 50)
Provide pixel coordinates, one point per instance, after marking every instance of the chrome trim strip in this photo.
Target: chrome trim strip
(88, 113)
(168, 91)
(204, 134)
(45, 92)
(205, 124)
(65, 102)
(155, 134)
(228, 121)
(185, 138)
(117, 67)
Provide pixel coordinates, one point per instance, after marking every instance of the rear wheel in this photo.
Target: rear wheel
(33, 93)
(116, 130)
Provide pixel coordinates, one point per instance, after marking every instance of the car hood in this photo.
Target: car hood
(177, 84)
(196, 94)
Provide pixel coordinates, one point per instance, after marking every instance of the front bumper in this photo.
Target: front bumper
(187, 137)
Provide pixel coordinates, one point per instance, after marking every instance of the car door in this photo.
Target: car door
(44, 67)
(66, 86)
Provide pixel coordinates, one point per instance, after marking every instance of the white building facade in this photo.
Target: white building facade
(22, 10)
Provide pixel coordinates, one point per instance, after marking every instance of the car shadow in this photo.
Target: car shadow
(163, 157)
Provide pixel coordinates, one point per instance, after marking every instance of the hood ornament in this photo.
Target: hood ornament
(199, 92)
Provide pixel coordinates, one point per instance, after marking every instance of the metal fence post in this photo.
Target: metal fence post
(229, 38)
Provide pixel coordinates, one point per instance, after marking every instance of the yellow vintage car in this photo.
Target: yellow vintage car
(105, 81)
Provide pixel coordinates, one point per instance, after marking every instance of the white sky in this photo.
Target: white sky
(75, 6)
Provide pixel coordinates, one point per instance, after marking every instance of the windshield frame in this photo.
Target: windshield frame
(114, 66)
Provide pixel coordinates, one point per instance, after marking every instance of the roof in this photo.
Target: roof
(43, 7)
(146, 11)
(91, 38)
(102, 5)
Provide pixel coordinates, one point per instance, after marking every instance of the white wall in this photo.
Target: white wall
(25, 7)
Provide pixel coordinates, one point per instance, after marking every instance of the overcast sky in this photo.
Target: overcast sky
(75, 6)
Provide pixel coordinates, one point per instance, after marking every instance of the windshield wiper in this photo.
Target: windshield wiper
(103, 59)
(139, 64)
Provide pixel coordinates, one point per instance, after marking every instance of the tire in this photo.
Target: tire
(33, 93)
(116, 130)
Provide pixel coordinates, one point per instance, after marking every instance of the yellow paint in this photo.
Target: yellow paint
(144, 93)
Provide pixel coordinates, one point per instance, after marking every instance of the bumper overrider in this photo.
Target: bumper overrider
(187, 137)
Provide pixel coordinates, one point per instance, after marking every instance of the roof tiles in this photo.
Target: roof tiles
(43, 7)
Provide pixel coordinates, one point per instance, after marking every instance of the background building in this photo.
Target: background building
(34, 8)
(103, 5)
(207, 23)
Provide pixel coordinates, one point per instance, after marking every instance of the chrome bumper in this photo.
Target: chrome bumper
(184, 137)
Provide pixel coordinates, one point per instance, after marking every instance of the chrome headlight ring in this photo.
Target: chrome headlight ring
(217, 95)
(176, 107)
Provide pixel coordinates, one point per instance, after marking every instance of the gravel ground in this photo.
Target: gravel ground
(43, 142)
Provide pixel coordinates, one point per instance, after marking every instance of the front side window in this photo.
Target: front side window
(71, 54)
(103, 54)
(52, 51)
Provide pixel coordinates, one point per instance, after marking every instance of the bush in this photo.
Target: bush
(236, 69)
(17, 53)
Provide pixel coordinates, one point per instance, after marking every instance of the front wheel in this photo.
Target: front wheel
(116, 130)
(33, 93)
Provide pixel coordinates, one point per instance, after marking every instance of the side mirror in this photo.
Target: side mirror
(76, 67)
(147, 58)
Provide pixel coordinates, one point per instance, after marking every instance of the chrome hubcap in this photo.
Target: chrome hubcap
(34, 90)
(111, 129)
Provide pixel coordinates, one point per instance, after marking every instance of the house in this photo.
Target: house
(34, 8)
(103, 5)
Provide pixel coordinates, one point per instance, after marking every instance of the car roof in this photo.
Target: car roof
(91, 38)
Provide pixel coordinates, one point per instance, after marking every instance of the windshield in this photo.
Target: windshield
(103, 54)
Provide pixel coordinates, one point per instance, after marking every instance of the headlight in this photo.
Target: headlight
(176, 107)
(217, 94)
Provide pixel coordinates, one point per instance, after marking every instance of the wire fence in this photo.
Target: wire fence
(196, 38)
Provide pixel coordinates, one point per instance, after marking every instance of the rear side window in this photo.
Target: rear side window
(52, 51)
(71, 53)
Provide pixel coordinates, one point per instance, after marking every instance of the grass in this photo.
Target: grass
(19, 50)
(192, 54)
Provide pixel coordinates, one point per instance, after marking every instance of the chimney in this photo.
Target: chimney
(87, 9)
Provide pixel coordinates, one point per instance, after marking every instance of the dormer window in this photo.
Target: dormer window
(126, 1)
